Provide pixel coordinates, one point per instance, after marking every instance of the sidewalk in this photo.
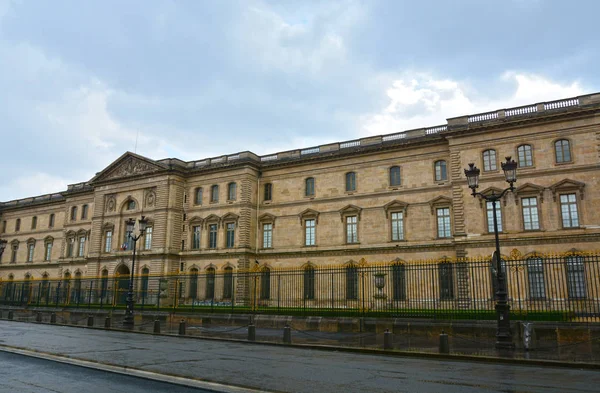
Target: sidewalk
(289, 369)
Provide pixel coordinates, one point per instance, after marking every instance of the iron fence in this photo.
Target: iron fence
(564, 288)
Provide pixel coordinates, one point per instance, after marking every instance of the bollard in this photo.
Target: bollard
(182, 328)
(107, 323)
(387, 339)
(251, 332)
(287, 335)
(10, 315)
(90, 321)
(444, 346)
(53, 318)
(156, 326)
(38, 317)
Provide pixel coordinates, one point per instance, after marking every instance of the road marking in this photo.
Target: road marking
(134, 372)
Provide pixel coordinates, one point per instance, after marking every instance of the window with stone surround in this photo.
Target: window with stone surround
(81, 250)
(535, 278)
(309, 283)
(30, 250)
(73, 213)
(231, 191)
(198, 196)
(568, 211)
(267, 235)
(51, 221)
(399, 281)
(212, 236)
(440, 170)
(309, 186)
(4, 226)
(193, 284)
(525, 156)
(84, 212)
(562, 151)
(490, 216)
(351, 229)
(531, 219)
(108, 234)
(397, 222)
(268, 194)
(230, 235)
(148, 237)
(310, 232)
(228, 283)
(489, 160)
(48, 243)
(576, 285)
(18, 225)
(351, 282)
(214, 194)
(265, 283)
(196, 233)
(14, 249)
(395, 179)
(444, 229)
(446, 281)
(350, 181)
(34, 222)
(210, 283)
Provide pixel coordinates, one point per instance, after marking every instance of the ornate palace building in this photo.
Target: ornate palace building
(380, 198)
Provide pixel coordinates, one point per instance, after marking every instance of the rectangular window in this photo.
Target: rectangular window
(351, 229)
(351, 283)
(148, 238)
(576, 278)
(70, 247)
(51, 221)
(309, 283)
(84, 212)
(18, 225)
(3, 226)
(212, 236)
(490, 217)
(531, 220)
(535, 273)
(267, 235)
(399, 282)
(13, 255)
(30, 248)
(108, 241)
(397, 226)
(196, 237)
(232, 192)
(73, 213)
(81, 246)
(230, 235)
(309, 238)
(443, 222)
(228, 283)
(446, 276)
(568, 209)
(48, 253)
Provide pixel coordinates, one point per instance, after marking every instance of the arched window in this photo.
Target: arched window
(309, 283)
(265, 283)
(198, 196)
(193, 289)
(228, 283)
(210, 283)
(34, 222)
(440, 170)
(144, 284)
(489, 160)
(535, 275)
(309, 186)
(351, 181)
(268, 192)
(576, 286)
(131, 205)
(395, 176)
(562, 149)
(399, 281)
(351, 282)
(214, 193)
(446, 278)
(231, 191)
(525, 154)
(104, 285)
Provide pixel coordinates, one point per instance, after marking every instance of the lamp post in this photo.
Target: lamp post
(128, 321)
(503, 333)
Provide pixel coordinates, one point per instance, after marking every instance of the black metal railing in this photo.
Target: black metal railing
(558, 288)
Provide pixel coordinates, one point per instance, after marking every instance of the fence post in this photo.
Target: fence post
(387, 339)
(444, 345)
(251, 332)
(156, 326)
(90, 294)
(182, 327)
(53, 318)
(107, 322)
(287, 335)
(90, 321)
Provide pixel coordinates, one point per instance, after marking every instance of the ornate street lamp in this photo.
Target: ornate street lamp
(128, 321)
(503, 333)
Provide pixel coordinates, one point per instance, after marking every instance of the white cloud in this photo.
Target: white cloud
(420, 100)
(33, 184)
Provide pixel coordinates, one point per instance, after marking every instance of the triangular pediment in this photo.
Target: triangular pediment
(309, 213)
(350, 210)
(266, 217)
(395, 205)
(439, 201)
(567, 185)
(128, 165)
(491, 190)
(529, 188)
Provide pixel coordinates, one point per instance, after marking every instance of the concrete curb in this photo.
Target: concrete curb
(366, 351)
(134, 372)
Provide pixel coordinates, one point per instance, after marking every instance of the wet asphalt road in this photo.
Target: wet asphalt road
(24, 374)
(288, 369)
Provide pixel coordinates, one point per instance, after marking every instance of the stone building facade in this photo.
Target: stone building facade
(398, 196)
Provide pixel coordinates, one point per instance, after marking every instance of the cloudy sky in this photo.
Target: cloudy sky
(79, 80)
